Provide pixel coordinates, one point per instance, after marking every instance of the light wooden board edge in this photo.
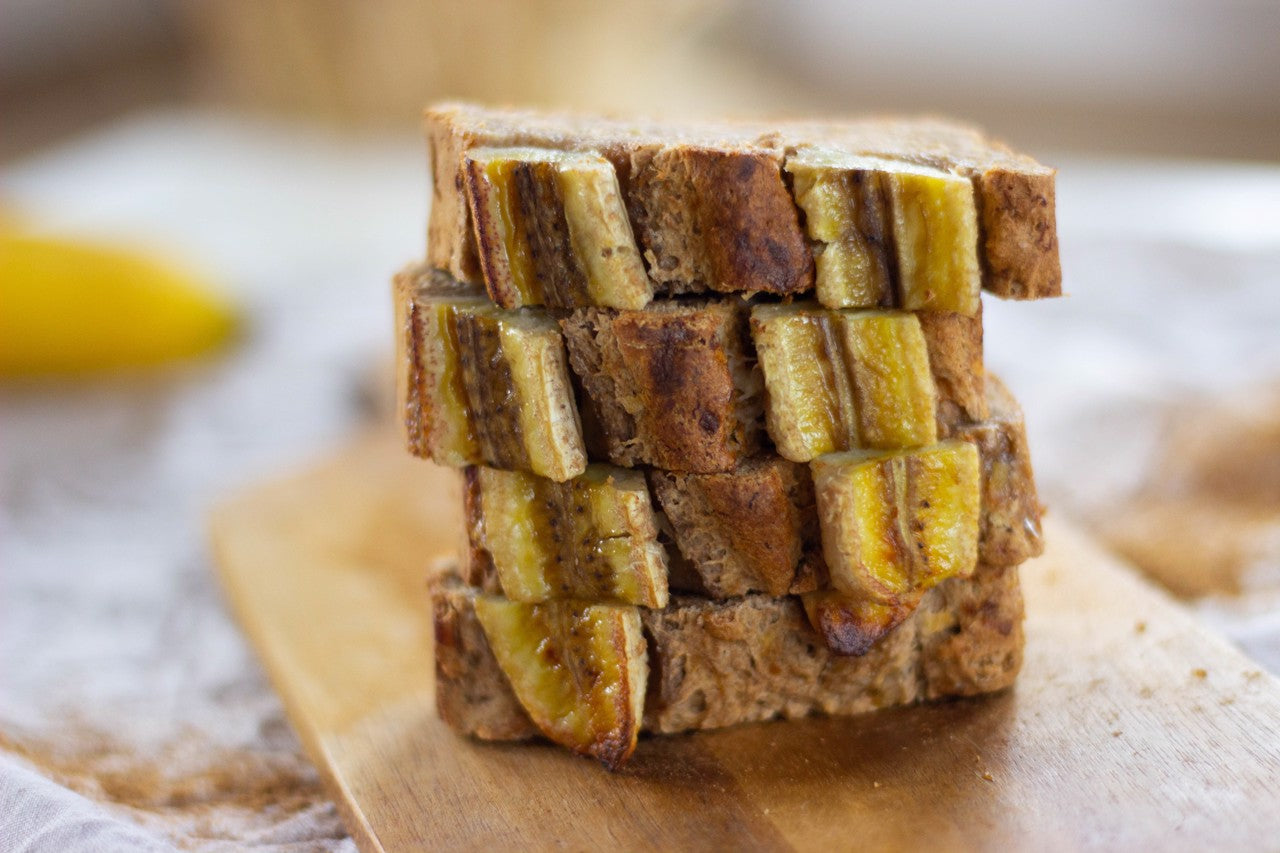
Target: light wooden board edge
(1188, 679)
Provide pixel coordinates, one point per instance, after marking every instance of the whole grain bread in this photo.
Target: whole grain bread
(1009, 530)
(673, 386)
(754, 529)
(718, 219)
(954, 342)
(754, 658)
(711, 203)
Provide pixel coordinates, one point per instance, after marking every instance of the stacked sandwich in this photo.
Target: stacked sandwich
(716, 394)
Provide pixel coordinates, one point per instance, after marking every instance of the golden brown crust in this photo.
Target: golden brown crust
(1018, 216)
(971, 635)
(714, 219)
(671, 386)
(410, 369)
(1015, 194)
(721, 663)
(954, 342)
(1010, 531)
(750, 530)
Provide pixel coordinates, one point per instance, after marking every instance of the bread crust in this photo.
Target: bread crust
(751, 530)
(754, 658)
(1014, 194)
(673, 386)
(718, 219)
(954, 342)
(971, 636)
(1009, 531)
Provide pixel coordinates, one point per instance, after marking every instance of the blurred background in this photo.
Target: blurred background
(1171, 77)
(202, 202)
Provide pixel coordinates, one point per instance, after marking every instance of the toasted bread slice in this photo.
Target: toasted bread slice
(718, 218)
(712, 178)
(673, 386)
(753, 529)
(753, 658)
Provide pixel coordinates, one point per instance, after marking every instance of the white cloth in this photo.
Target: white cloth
(132, 712)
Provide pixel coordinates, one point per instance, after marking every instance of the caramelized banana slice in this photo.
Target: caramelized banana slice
(888, 233)
(888, 362)
(896, 523)
(431, 394)
(552, 230)
(851, 625)
(580, 670)
(837, 380)
(847, 214)
(480, 385)
(593, 537)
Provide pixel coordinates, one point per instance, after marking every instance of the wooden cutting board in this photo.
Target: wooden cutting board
(1131, 727)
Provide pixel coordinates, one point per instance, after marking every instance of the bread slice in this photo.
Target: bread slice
(691, 188)
(754, 529)
(718, 218)
(954, 343)
(673, 386)
(1009, 530)
(753, 658)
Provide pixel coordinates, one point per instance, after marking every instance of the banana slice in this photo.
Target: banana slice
(888, 233)
(899, 522)
(838, 380)
(580, 670)
(481, 385)
(592, 538)
(850, 625)
(552, 229)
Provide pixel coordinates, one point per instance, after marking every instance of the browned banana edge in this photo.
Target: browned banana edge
(1015, 195)
(472, 372)
(756, 528)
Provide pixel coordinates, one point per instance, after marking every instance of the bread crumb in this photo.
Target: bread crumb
(1140, 628)
(1117, 733)
(987, 776)
(1200, 673)
(876, 784)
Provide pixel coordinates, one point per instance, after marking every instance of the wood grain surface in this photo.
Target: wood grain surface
(1131, 727)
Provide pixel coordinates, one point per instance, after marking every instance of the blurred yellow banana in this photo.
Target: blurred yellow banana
(74, 307)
